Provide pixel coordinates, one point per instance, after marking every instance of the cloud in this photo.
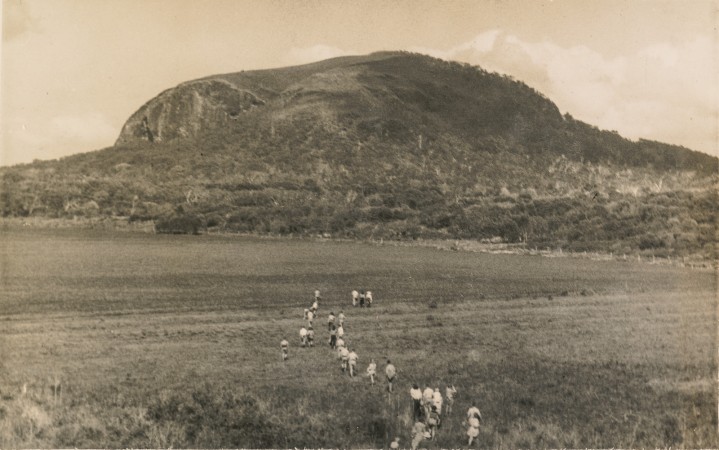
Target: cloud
(666, 91)
(314, 53)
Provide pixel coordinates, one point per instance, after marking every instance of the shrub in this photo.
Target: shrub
(179, 224)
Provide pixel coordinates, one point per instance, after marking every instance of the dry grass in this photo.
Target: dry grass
(159, 341)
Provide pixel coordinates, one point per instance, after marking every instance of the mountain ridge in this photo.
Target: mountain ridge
(393, 145)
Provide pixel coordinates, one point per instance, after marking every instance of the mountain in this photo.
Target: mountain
(391, 145)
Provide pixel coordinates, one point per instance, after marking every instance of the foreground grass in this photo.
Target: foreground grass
(174, 342)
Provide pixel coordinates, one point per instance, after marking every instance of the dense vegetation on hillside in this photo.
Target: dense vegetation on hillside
(392, 145)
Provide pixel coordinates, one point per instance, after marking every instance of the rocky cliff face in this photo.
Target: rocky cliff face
(182, 112)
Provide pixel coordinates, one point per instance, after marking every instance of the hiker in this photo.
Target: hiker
(317, 294)
(340, 331)
(473, 419)
(449, 393)
(310, 318)
(341, 318)
(315, 306)
(433, 422)
(427, 396)
(355, 297)
(303, 336)
(330, 320)
(416, 394)
(391, 373)
(311, 336)
(361, 299)
(340, 345)
(353, 362)
(419, 433)
(333, 336)
(368, 297)
(371, 371)
(306, 312)
(437, 400)
(345, 357)
(285, 346)
(395, 444)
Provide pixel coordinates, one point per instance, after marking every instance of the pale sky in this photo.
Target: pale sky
(74, 70)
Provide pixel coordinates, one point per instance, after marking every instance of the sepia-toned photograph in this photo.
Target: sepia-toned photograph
(359, 224)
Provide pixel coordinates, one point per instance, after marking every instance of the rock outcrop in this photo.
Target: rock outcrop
(184, 111)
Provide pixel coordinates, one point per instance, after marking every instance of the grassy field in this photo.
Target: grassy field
(136, 340)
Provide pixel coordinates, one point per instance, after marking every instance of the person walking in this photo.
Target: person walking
(344, 358)
(303, 336)
(474, 417)
(285, 346)
(333, 336)
(355, 297)
(391, 372)
(437, 400)
(311, 336)
(353, 363)
(427, 396)
(416, 394)
(395, 444)
(341, 318)
(371, 371)
(433, 422)
(419, 433)
(449, 393)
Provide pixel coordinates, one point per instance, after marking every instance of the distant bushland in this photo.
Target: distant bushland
(392, 145)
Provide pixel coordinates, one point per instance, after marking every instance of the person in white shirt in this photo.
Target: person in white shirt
(474, 417)
(344, 356)
(416, 394)
(353, 362)
(340, 345)
(391, 372)
(368, 296)
(427, 396)
(285, 346)
(315, 306)
(303, 336)
(317, 294)
(395, 444)
(340, 331)
(341, 318)
(419, 433)
(310, 317)
(437, 400)
(371, 371)
(449, 394)
(355, 297)
(306, 311)
(330, 320)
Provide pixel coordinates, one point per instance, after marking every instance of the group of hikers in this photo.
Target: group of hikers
(428, 405)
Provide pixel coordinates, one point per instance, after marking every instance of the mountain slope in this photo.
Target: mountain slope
(391, 145)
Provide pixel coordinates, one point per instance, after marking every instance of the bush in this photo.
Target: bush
(179, 224)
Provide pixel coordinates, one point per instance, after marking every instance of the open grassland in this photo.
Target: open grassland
(134, 340)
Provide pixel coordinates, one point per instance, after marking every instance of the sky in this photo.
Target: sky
(74, 70)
